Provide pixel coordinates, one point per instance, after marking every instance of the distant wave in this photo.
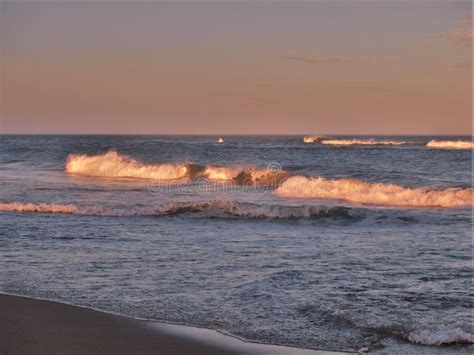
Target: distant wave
(446, 334)
(310, 139)
(41, 208)
(373, 193)
(210, 209)
(360, 142)
(450, 144)
(112, 164)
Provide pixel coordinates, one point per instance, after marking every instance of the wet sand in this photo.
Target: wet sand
(29, 326)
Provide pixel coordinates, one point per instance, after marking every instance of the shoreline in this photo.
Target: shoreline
(29, 325)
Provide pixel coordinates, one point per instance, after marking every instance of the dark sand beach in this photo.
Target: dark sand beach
(29, 326)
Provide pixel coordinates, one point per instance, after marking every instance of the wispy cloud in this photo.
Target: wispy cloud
(313, 59)
(463, 65)
(463, 36)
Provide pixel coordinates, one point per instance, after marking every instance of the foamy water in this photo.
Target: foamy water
(265, 238)
(361, 142)
(377, 194)
(208, 209)
(446, 334)
(235, 173)
(41, 207)
(450, 144)
(112, 164)
(310, 139)
(268, 176)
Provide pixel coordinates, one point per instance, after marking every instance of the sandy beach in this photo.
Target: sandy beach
(29, 326)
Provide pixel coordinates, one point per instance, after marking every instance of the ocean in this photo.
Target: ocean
(335, 243)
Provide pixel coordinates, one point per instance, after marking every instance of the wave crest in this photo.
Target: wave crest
(226, 208)
(446, 334)
(373, 193)
(222, 173)
(246, 175)
(450, 144)
(41, 208)
(310, 139)
(209, 209)
(360, 142)
(112, 164)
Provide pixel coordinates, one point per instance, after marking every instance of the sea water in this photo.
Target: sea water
(338, 243)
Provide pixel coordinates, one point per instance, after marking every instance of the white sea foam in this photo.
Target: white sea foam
(373, 193)
(226, 208)
(265, 176)
(213, 208)
(112, 164)
(446, 334)
(360, 142)
(450, 144)
(310, 139)
(41, 207)
(222, 173)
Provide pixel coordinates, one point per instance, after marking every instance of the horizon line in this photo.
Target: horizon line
(238, 134)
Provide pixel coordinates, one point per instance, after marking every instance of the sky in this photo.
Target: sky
(149, 67)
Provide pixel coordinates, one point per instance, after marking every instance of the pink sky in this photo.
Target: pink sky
(240, 68)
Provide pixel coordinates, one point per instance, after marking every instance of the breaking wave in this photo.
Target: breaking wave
(450, 144)
(446, 334)
(310, 139)
(454, 333)
(225, 208)
(209, 209)
(222, 173)
(353, 190)
(243, 175)
(360, 142)
(112, 164)
(42, 208)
